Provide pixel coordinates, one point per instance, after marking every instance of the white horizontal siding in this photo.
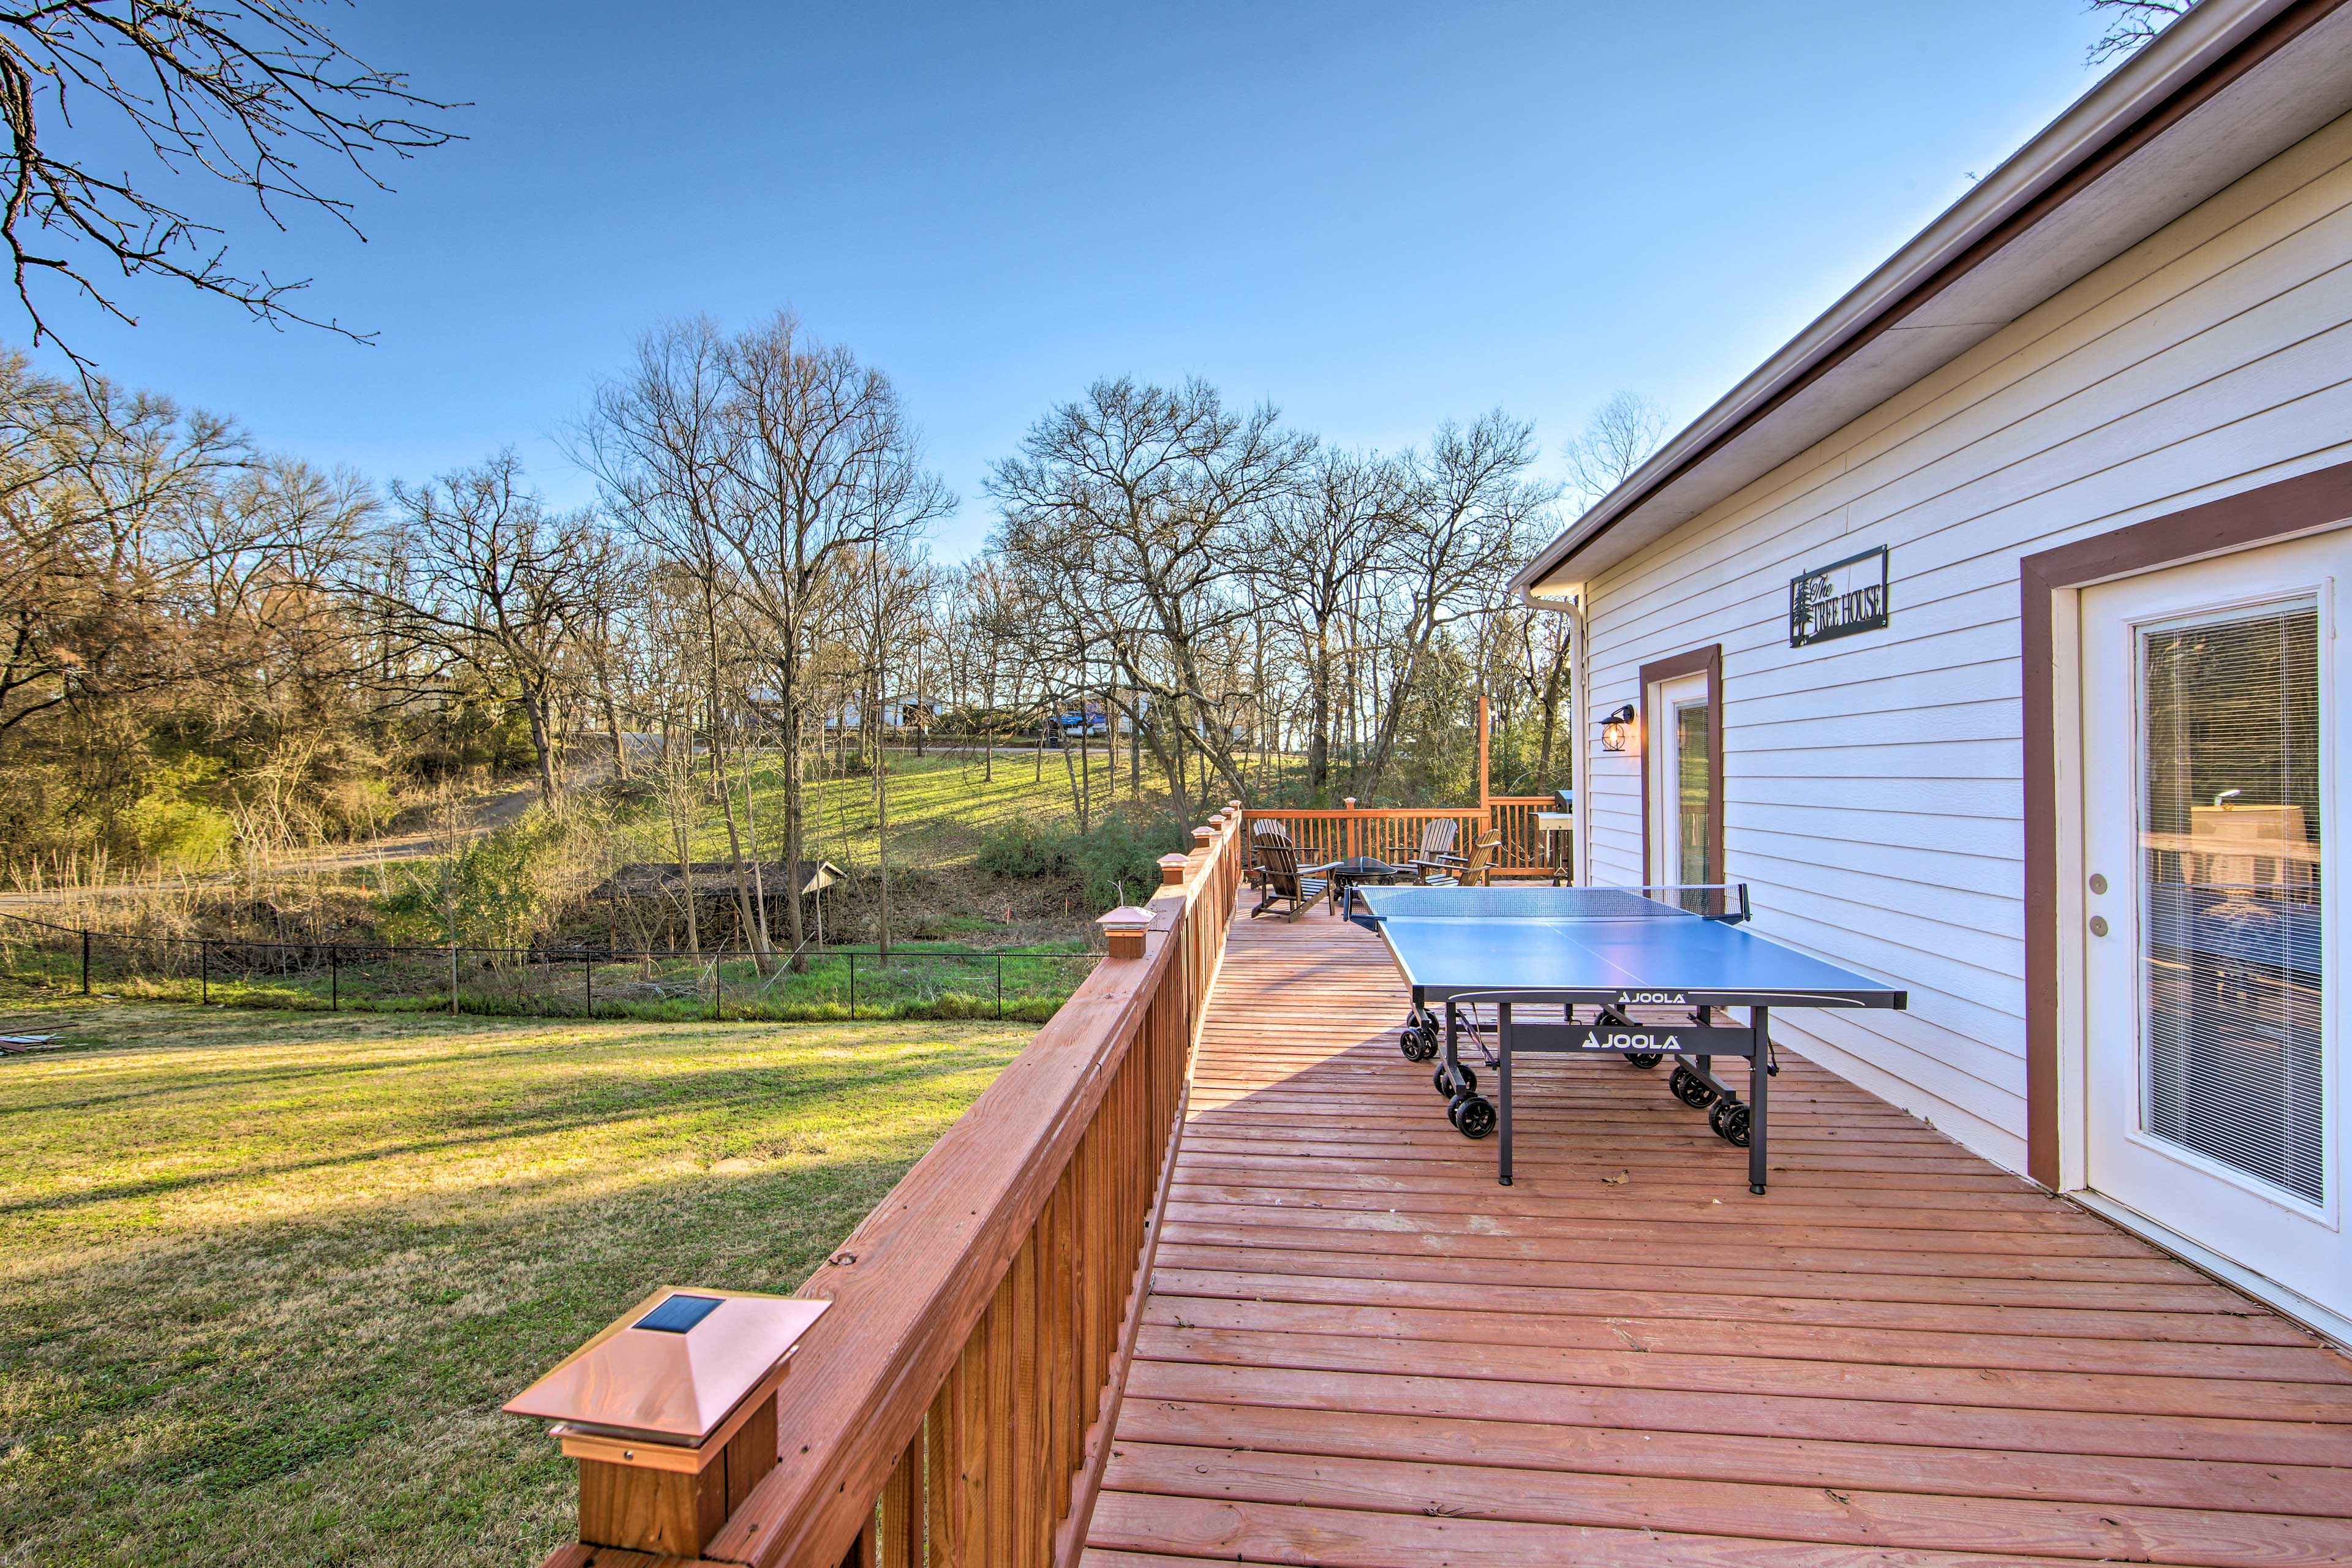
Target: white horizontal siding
(1873, 786)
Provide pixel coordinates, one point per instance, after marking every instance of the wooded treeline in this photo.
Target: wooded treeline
(211, 649)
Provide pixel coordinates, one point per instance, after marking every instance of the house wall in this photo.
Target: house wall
(1872, 786)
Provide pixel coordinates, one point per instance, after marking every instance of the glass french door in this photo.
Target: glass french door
(2213, 749)
(1682, 804)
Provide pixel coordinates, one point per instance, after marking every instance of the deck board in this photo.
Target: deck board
(1359, 1349)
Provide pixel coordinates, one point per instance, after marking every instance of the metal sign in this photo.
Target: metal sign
(1839, 599)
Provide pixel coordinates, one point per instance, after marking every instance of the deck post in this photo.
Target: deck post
(661, 1476)
(1351, 826)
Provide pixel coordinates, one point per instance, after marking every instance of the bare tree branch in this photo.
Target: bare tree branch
(242, 91)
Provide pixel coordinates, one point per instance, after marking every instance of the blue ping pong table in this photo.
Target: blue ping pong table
(1492, 963)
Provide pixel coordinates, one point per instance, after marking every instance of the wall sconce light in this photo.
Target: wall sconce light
(1617, 730)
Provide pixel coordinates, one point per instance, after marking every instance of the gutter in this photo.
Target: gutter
(2137, 94)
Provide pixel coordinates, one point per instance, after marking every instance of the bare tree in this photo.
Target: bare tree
(494, 581)
(1319, 541)
(2130, 24)
(239, 90)
(1617, 439)
(1471, 517)
(772, 459)
(1128, 507)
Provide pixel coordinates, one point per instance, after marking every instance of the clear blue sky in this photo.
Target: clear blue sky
(1377, 216)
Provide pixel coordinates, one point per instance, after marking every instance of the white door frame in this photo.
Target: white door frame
(1662, 755)
(2070, 906)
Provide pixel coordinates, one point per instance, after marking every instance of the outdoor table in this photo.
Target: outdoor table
(1346, 875)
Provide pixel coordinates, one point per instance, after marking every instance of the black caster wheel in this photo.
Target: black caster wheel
(1417, 1045)
(1465, 1081)
(1473, 1117)
(1687, 1087)
(1729, 1119)
(1643, 1059)
(1444, 1084)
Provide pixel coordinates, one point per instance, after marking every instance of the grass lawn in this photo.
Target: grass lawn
(268, 1278)
(941, 805)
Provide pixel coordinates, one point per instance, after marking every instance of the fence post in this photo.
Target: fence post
(853, 985)
(205, 972)
(588, 980)
(1000, 987)
(85, 960)
(453, 980)
(334, 979)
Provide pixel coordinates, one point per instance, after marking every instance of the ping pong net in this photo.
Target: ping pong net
(1721, 901)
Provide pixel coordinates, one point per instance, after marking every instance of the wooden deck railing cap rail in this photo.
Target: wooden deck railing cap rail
(915, 1307)
(911, 1284)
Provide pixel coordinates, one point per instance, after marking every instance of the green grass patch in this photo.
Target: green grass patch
(270, 1277)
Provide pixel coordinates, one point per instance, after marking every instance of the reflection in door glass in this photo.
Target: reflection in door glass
(1692, 807)
(2232, 1053)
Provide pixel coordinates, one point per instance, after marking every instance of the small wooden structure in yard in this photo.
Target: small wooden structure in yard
(719, 913)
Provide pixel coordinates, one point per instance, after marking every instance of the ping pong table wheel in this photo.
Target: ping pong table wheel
(1473, 1116)
(1729, 1119)
(1643, 1059)
(1418, 1044)
(1690, 1089)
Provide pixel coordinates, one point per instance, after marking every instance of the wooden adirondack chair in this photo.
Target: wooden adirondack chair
(1435, 857)
(1262, 831)
(1286, 888)
(1469, 873)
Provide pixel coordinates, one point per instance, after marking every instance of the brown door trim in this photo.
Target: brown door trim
(1706, 662)
(2259, 516)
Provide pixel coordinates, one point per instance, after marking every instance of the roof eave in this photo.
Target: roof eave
(2123, 99)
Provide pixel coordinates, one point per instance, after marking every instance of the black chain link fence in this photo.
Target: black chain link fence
(913, 981)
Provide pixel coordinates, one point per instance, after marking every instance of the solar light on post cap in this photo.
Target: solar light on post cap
(1123, 930)
(671, 1412)
(1617, 730)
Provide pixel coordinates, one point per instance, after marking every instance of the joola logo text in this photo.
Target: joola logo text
(1636, 998)
(1594, 1040)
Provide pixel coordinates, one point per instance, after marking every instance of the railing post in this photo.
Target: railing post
(1351, 826)
(669, 1488)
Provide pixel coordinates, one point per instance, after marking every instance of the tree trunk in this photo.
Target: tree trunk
(759, 878)
(735, 858)
(534, 706)
(882, 847)
(612, 729)
(795, 720)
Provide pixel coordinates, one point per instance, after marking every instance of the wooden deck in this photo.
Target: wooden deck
(1359, 1350)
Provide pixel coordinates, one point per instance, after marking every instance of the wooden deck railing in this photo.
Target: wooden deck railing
(954, 1403)
(1522, 852)
(1392, 833)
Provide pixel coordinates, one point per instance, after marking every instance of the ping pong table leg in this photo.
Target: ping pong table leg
(1760, 1078)
(1503, 1078)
